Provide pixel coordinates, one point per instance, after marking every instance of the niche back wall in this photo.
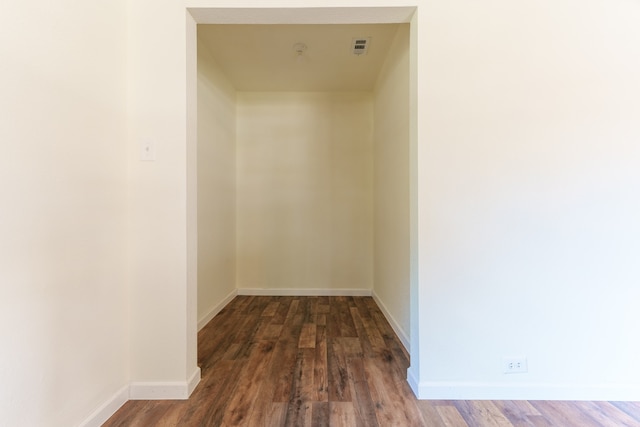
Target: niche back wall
(304, 192)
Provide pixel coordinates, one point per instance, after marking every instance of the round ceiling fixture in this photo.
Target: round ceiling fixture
(299, 49)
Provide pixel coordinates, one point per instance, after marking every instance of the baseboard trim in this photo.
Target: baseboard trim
(527, 391)
(402, 335)
(305, 292)
(215, 310)
(107, 409)
(414, 383)
(142, 391)
(194, 380)
(170, 390)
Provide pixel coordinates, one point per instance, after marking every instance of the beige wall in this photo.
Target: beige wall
(216, 186)
(64, 325)
(304, 182)
(391, 185)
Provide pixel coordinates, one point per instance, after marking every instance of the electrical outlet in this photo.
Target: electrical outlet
(514, 365)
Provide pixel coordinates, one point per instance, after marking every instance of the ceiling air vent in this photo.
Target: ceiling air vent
(360, 45)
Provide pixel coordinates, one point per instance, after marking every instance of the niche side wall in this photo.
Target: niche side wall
(391, 186)
(304, 193)
(216, 188)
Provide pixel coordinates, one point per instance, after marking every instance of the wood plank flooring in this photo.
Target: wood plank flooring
(330, 361)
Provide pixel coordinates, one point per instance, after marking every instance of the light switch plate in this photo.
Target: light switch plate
(148, 151)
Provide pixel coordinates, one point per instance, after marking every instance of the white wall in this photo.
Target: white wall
(529, 188)
(526, 165)
(162, 89)
(391, 186)
(489, 82)
(524, 151)
(63, 282)
(216, 187)
(304, 191)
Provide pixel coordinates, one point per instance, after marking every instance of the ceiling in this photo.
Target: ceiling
(262, 57)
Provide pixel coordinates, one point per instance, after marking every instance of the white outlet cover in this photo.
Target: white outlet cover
(514, 365)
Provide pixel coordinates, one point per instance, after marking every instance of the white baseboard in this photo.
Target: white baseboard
(107, 409)
(142, 391)
(305, 292)
(414, 383)
(193, 381)
(435, 390)
(402, 335)
(170, 390)
(215, 310)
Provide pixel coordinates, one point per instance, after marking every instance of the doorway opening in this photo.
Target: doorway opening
(315, 175)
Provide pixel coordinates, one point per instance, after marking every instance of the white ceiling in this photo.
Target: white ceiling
(262, 57)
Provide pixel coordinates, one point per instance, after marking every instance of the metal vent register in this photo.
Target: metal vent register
(360, 45)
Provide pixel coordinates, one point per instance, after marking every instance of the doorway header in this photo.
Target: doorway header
(311, 15)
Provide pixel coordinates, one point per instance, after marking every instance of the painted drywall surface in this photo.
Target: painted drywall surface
(530, 241)
(162, 274)
(391, 182)
(216, 184)
(304, 190)
(163, 318)
(437, 131)
(63, 296)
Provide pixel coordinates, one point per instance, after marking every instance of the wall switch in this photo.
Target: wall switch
(148, 151)
(514, 365)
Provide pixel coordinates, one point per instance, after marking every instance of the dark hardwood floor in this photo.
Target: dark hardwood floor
(330, 361)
